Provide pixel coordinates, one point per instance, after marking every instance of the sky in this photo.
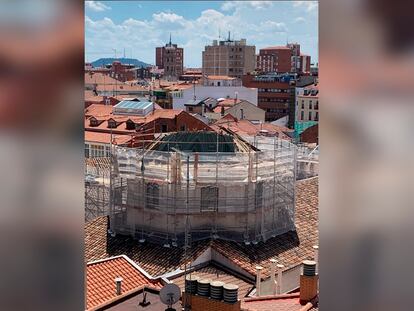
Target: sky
(135, 28)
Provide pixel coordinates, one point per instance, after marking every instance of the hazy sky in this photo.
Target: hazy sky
(140, 26)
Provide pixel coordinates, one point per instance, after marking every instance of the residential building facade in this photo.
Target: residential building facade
(229, 58)
(276, 94)
(283, 59)
(170, 58)
(307, 104)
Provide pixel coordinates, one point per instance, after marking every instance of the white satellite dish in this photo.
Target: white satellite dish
(170, 294)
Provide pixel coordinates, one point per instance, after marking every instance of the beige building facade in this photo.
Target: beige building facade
(229, 58)
(307, 105)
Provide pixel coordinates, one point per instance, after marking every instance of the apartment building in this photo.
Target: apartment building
(229, 58)
(170, 58)
(307, 104)
(282, 59)
(276, 94)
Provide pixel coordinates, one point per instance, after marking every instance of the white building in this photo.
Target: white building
(184, 96)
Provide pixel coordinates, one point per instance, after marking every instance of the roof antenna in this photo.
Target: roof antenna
(229, 36)
(170, 38)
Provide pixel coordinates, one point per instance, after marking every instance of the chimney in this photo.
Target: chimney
(316, 256)
(118, 283)
(258, 279)
(272, 275)
(279, 278)
(222, 111)
(308, 282)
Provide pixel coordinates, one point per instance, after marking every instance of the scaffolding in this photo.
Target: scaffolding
(97, 187)
(174, 195)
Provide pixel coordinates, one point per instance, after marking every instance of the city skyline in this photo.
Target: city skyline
(138, 27)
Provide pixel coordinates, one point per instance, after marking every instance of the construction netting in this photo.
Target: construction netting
(241, 196)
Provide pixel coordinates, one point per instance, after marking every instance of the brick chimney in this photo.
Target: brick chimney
(220, 297)
(308, 282)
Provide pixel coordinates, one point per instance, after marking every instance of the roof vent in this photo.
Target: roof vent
(216, 290)
(309, 268)
(230, 293)
(203, 287)
(191, 284)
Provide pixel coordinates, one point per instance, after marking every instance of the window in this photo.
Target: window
(86, 151)
(111, 123)
(209, 198)
(130, 125)
(182, 128)
(310, 115)
(317, 105)
(303, 104)
(97, 151)
(164, 128)
(317, 116)
(302, 113)
(310, 105)
(152, 195)
(190, 109)
(93, 122)
(107, 151)
(218, 83)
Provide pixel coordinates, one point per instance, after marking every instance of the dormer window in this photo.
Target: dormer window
(130, 125)
(93, 121)
(112, 124)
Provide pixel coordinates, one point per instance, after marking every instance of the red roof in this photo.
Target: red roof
(279, 47)
(99, 78)
(288, 302)
(100, 279)
(245, 127)
(105, 138)
(220, 78)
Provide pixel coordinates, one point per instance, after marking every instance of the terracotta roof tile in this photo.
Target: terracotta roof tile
(282, 303)
(100, 279)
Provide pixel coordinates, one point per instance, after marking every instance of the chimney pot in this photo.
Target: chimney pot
(280, 268)
(118, 283)
(258, 280)
(308, 282)
(272, 275)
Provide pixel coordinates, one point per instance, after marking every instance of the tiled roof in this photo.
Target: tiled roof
(215, 273)
(289, 249)
(100, 279)
(105, 138)
(289, 302)
(245, 127)
(100, 78)
(279, 47)
(220, 78)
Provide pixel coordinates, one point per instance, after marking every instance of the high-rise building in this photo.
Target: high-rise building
(229, 58)
(282, 59)
(170, 58)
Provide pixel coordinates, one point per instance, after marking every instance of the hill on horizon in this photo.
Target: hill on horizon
(109, 60)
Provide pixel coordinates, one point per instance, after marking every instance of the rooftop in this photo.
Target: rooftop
(216, 273)
(289, 249)
(288, 302)
(100, 279)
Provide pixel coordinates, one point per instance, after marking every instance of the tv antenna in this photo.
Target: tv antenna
(169, 295)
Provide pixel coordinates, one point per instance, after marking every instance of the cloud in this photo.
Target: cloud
(257, 5)
(309, 6)
(141, 36)
(96, 6)
(299, 20)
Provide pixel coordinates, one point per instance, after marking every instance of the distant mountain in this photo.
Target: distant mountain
(105, 61)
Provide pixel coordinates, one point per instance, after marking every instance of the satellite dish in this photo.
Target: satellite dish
(170, 294)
